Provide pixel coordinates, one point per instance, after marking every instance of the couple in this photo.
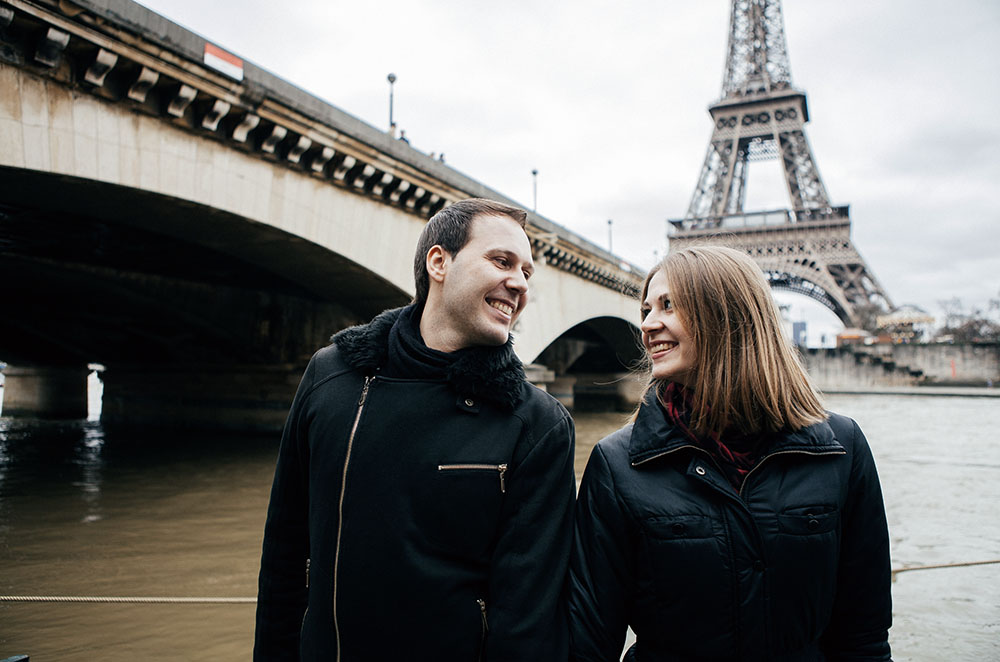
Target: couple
(423, 501)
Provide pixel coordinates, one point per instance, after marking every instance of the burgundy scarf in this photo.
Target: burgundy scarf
(736, 456)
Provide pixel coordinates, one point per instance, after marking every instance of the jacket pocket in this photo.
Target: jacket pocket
(808, 520)
(500, 469)
(687, 573)
(803, 568)
(457, 505)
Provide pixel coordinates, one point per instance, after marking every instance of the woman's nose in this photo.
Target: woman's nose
(650, 323)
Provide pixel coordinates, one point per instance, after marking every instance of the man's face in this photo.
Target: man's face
(485, 285)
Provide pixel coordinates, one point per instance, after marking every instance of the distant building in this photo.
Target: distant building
(853, 337)
(799, 334)
(906, 324)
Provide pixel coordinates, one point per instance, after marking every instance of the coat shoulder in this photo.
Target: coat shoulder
(615, 449)
(326, 364)
(539, 410)
(845, 430)
(328, 361)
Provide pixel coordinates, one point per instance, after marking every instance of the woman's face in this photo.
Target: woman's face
(667, 342)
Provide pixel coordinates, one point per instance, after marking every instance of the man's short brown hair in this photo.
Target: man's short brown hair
(449, 229)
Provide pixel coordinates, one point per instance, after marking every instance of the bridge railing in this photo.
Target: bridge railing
(771, 217)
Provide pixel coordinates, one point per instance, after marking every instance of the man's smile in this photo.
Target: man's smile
(504, 307)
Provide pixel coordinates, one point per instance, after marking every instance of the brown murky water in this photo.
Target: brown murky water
(89, 513)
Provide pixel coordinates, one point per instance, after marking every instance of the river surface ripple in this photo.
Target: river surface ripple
(85, 512)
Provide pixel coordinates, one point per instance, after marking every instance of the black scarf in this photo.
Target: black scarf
(408, 355)
(492, 373)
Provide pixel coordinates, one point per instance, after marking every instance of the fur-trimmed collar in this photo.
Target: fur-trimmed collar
(492, 373)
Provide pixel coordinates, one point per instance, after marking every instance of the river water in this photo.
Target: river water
(85, 512)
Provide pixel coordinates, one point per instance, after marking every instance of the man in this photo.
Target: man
(422, 501)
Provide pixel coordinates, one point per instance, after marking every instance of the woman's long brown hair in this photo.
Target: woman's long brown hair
(747, 375)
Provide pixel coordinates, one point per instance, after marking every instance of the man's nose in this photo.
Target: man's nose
(517, 282)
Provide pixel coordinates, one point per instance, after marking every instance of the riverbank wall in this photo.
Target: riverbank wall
(853, 367)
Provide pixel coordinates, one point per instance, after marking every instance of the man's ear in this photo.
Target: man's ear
(437, 263)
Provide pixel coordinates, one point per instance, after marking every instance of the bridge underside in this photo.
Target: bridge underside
(596, 365)
(85, 262)
(95, 273)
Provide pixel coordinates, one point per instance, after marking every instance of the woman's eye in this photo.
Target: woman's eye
(643, 312)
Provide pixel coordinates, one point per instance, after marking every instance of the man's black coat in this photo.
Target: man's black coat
(436, 513)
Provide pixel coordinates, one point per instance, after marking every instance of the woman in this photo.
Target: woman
(732, 518)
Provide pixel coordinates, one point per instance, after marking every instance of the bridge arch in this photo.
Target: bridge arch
(599, 344)
(295, 205)
(809, 277)
(115, 274)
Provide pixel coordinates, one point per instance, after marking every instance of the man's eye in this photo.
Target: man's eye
(527, 274)
(502, 261)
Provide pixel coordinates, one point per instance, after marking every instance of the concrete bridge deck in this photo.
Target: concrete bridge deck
(200, 232)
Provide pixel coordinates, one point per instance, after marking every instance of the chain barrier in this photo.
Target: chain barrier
(937, 566)
(120, 599)
(247, 601)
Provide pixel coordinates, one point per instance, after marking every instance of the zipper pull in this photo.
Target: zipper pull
(482, 611)
(501, 469)
(364, 390)
(308, 561)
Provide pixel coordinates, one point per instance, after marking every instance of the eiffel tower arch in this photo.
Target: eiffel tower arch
(807, 247)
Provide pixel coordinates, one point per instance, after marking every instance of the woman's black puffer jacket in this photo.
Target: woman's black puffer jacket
(794, 566)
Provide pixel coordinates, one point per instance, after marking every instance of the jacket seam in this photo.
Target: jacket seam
(622, 503)
(529, 434)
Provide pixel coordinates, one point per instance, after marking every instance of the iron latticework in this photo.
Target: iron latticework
(806, 248)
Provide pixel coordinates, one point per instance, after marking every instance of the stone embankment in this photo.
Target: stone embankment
(918, 368)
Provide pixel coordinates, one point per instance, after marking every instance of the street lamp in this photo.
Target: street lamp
(534, 189)
(392, 79)
(610, 249)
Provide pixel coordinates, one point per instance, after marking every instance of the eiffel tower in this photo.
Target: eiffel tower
(806, 248)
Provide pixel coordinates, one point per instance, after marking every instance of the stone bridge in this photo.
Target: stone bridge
(199, 227)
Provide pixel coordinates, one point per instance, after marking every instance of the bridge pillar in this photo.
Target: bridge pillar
(45, 391)
(561, 389)
(243, 398)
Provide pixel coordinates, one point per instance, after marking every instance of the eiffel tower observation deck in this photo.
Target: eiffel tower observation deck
(806, 247)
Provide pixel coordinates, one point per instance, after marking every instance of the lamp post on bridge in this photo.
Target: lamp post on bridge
(534, 189)
(392, 125)
(610, 248)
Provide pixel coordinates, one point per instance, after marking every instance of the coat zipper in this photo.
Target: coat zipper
(749, 473)
(499, 468)
(738, 497)
(486, 629)
(785, 452)
(672, 450)
(340, 506)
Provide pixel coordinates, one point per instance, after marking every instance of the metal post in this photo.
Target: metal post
(392, 79)
(610, 249)
(534, 189)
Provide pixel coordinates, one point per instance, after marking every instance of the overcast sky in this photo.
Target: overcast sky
(609, 102)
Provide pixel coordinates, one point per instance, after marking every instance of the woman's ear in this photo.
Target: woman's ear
(437, 263)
